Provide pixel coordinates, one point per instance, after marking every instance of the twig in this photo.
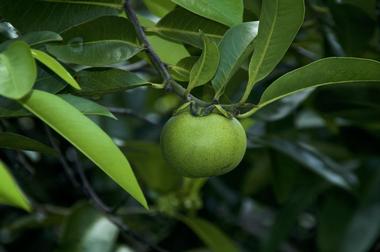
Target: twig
(62, 159)
(108, 211)
(169, 83)
(130, 112)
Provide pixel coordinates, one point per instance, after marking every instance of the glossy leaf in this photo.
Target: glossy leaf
(87, 230)
(100, 82)
(280, 21)
(159, 7)
(315, 161)
(18, 71)
(233, 52)
(15, 141)
(211, 235)
(364, 227)
(86, 106)
(228, 12)
(40, 37)
(183, 26)
(10, 193)
(9, 108)
(86, 136)
(113, 41)
(37, 15)
(181, 70)
(147, 159)
(287, 217)
(205, 67)
(323, 72)
(169, 52)
(55, 66)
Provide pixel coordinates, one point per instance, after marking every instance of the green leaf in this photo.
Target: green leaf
(233, 52)
(40, 37)
(105, 81)
(322, 72)
(15, 141)
(86, 106)
(159, 7)
(169, 52)
(286, 218)
(228, 12)
(87, 230)
(10, 108)
(364, 227)
(10, 193)
(205, 67)
(86, 136)
(34, 38)
(280, 21)
(18, 71)
(113, 41)
(211, 235)
(315, 161)
(55, 66)
(183, 26)
(37, 14)
(337, 209)
(181, 71)
(151, 167)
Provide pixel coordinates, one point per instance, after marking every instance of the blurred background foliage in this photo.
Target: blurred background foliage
(310, 180)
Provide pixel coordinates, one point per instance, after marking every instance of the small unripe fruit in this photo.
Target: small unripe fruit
(203, 146)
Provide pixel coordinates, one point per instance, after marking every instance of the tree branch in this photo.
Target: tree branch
(169, 82)
(108, 211)
(61, 157)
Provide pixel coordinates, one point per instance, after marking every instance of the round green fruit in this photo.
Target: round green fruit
(203, 146)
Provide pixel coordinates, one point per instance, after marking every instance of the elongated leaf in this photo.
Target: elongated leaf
(181, 70)
(318, 163)
(40, 37)
(86, 136)
(287, 217)
(37, 15)
(211, 235)
(10, 193)
(34, 38)
(364, 227)
(151, 166)
(9, 108)
(113, 41)
(205, 67)
(183, 26)
(169, 52)
(228, 12)
(55, 66)
(87, 230)
(159, 7)
(18, 71)
(86, 106)
(233, 52)
(107, 81)
(280, 21)
(323, 72)
(15, 141)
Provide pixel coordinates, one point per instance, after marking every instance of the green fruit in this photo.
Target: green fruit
(203, 146)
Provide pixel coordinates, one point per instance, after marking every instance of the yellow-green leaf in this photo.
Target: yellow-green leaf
(55, 66)
(18, 71)
(10, 193)
(86, 136)
(205, 68)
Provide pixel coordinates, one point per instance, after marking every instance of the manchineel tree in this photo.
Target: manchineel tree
(217, 123)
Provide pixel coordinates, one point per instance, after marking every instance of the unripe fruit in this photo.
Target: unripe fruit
(203, 146)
